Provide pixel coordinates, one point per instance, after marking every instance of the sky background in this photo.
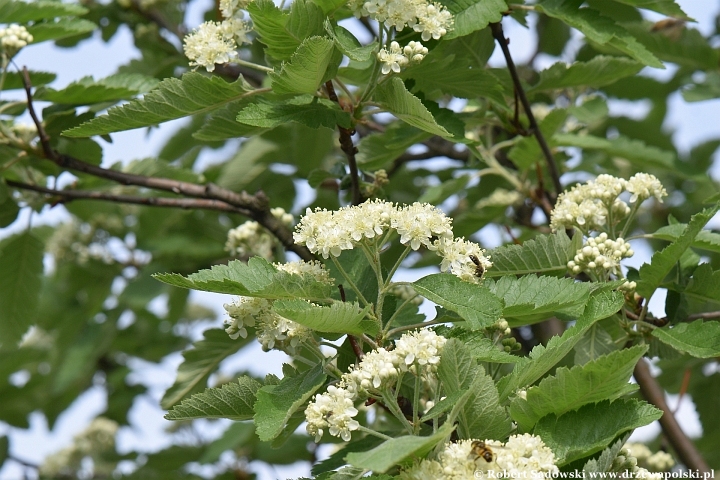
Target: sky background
(690, 124)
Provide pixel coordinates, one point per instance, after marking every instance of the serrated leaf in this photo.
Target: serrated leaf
(543, 255)
(481, 348)
(690, 48)
(475, 303)
(605, 378)
(12, 11)
(21, 268)
(482, 416)
(699, 339)
(704, 285)
(705, 239)
(393, 96)
(173, 98)
(604, 462)
(339, 317)
(311, 111)
(601, 70)
(277, 403)
(284, 32)
(527, 152)
(307, 68)
(63, 28)
(636, 151)
(473, 15)
(599, 29)
(199, 362)
(531, 299)
(397, 450)
(346, 42)
(13, 80)
(223, 124)
(446, 404)
(666, 7)
(378, 149)
(87, 91)
(591, 428)
(652, 274)
(233, 400)
(596, 343)
(257, 278)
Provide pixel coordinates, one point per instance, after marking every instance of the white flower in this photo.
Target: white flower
(237, 29)
(393, 59)
(243, 314)
(660, 462)
(601, 256)
(14, 37)
(251, 238)
(209, 44)
(457, 461)
(233, 8)
(422, 346)
(377, 369)
(644, 185)
(525, 453)
(415, 52)
(458, 258)
(313, 268)
(424, 470)
(418, 223)
(274, 331)
(434, 21)
(332, 410)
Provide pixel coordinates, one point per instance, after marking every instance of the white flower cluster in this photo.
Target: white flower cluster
(14, 37)
(217, 42)
(523, 456)
(273, 331)
(656, 462)
(431, 19)
(591, 205)
(600, 255)
(377, 370)
(420, 224)
(396, 58)
(251, 238)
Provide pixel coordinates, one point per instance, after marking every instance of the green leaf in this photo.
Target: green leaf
(350, 46)
(590, 429)
(482, 416)
(704, 286)
(257, 278)
(600, 71)
(12, 11)
(339, 317)
(378, 149)
(699, 339)
(446, 404)
(473, 15)
(603, 379)
(475, 303)
(277, 403)
(543, 255)
(397, 450)
(63, 28)
(652, 274)
(13, 80)
(666, 7)
(21, 268)
(691, 49)
(596, 343)
(199, 362)
(598, 28)
(393, 96)
(173, 98)
(307, 68)
(531, 299)
(222, 124)
(705, 239)
(527, 152)
(604, 462)
(87, 91)
(311, 111)
(233, 400)
(636, 151)
(481, 348)
(4, 449)
(282, 32)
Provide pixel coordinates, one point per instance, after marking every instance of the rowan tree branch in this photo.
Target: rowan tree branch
(704, 316)
(497, 32)
(257, 206)
(653, 393)
(348, 147)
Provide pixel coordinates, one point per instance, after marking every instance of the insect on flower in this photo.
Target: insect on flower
(479, 269)
(479, 449)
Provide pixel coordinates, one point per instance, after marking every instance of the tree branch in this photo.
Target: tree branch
(704, 316)
(653, 393)
(497, 32)
(257, 206)
(347, 146)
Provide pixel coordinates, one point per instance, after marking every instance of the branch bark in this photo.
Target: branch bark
(653, 393)
(348, 147)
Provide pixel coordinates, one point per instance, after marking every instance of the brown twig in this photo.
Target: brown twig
(347, 146)
(497, 32)
(256, 206)
(683, 389)
(653, 393)
(704, 316)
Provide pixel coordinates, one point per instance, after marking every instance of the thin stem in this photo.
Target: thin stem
(349, 281)
(394, 268)
(416, 400)
(348, 147)
(629, 219)
(373, 433)
(262, 68)
(497, 32)
(704, 316)
(391, 403)
(397, 311)
(498, 169)
(392, 332)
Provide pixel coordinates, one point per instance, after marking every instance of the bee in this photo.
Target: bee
(478, 449)
(479, 269)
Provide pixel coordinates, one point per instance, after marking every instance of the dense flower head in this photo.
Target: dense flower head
(523, 456)
(590, 206)
(210, 44)
(422, 347)
(434, 21)
(251, 238)
(392, 59)
(333, 410)
(420, 224)
(458, 256)
(233, 8)
(431, 19)
(378, 368)
(14, 37)
(600, 255)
